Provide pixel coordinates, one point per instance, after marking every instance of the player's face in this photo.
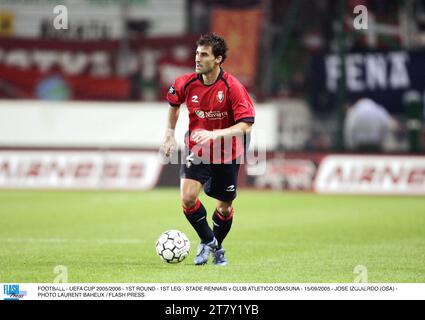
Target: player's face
(205, 61)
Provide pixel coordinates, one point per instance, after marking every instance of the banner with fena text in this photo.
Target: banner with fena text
(386, 77)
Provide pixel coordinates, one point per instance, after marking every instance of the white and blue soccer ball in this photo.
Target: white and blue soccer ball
(173, 246)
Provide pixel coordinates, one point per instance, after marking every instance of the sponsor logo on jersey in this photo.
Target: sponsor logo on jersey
(220, 96)
(211, 115)
(200, 114)
(216, 115)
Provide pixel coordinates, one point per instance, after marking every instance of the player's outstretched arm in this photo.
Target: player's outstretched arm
(170, 143)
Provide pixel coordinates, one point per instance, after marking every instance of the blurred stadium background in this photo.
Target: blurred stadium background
(84, 108)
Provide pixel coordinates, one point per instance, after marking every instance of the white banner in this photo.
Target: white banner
(216, 291)
(110, 125)
(402, 175)
(79, 170)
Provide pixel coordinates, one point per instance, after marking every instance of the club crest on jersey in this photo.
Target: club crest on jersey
(200, 114)
(172, 90)
(220, 96)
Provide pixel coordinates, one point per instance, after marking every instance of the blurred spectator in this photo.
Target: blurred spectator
(53, 87)
(199, 17)
(368, 126)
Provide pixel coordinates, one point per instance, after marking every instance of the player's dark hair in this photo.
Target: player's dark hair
(217, 43)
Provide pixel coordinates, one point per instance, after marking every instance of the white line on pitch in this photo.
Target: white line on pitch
(70, 240)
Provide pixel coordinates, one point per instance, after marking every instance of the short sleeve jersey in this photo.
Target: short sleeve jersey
(217, 106)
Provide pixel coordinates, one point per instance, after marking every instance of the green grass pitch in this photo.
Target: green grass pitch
(276, 238)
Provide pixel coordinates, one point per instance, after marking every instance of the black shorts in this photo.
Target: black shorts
(219, 180)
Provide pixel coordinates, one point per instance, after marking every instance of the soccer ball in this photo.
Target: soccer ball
(173, 246)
